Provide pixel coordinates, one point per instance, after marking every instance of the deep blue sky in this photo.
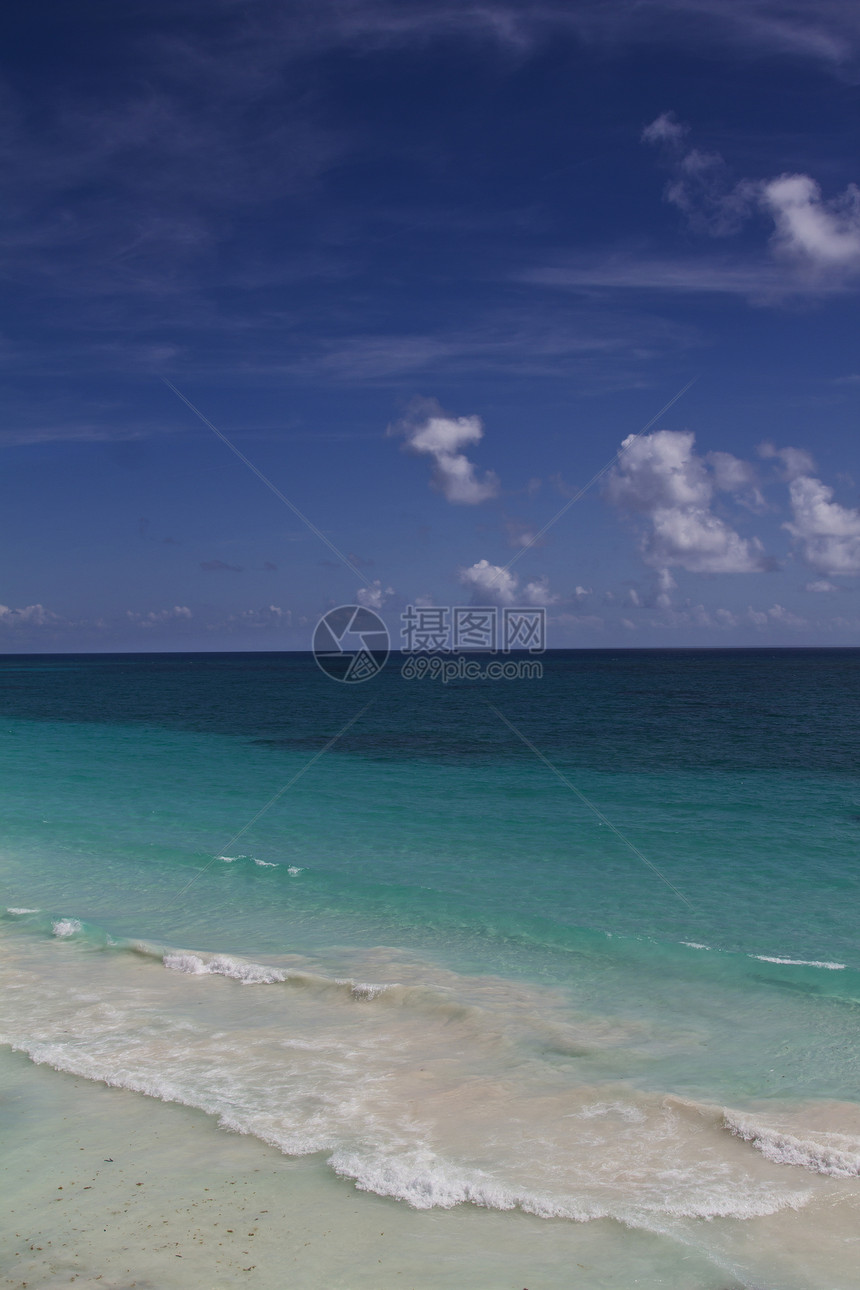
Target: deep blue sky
(428, 265)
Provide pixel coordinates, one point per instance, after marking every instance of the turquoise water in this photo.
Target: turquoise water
(621, 986)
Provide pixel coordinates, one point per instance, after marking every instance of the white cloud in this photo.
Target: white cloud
(818, 240)
(725, 618)
(827, 532)
(822, 585)
(521, 533)
(665, 129)
(28, 616)
(691, 615)
(818, 234)
(155, 617)
(493, 584)
(666, 584)
(267, 616)
(658, 594)
(732, 475)
(778, 614)
(701, 185)
(684, 615)
(537, 593)
(661, 479)
(795, 461)
(442, 438)
(700, 617)
(374, 596)
(703, 190)
(490, 581)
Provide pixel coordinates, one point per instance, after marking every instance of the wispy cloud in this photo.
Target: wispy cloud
(827, 32)
(119, 190)
(125, 196)
(114, 430)
(134, 185)
(547, 341)
(522, 533)
(220, 566)
(642, 271)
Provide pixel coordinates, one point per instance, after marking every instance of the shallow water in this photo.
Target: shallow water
(430, 978)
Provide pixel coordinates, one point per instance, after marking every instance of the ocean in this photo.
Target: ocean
(534, 983)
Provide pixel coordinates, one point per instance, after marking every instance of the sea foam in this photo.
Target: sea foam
(221, 965)
(831, 967)
(67, 927)
(836, 1154)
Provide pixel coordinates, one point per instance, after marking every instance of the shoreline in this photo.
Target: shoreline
(112, 1190)
(141, 1194)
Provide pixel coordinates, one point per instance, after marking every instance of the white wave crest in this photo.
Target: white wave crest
(835, 1154)
(13, 910)
(365, 989)
(426, 1181)
(831, 967)
(264, 864)
(294, 870)
(221, 965)
(67, 927)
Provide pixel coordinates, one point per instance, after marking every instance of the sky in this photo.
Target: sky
(348, 301)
